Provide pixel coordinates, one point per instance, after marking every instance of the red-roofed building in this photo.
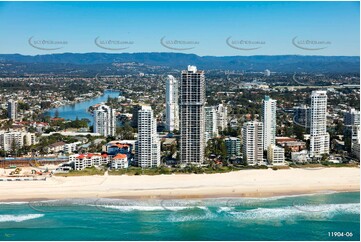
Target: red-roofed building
(280, 140)
(290, 144)
(120, 161)
(83, 161)
(80, 156)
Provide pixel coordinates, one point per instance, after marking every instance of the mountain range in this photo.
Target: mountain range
(277, 63)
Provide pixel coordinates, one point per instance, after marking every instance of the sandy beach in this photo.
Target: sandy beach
(246, 183)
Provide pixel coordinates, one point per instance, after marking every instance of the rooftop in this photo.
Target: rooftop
(120, 156)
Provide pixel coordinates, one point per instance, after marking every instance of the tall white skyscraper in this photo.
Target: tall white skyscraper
(222, 115)
(192, 99)
(252, 133)
(148, 145)
(12, 109)
(172, 106)
(319, 138)
(104, 121)
(269, 121)
(211, 128)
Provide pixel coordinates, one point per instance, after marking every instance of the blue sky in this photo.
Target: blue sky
(267, 28)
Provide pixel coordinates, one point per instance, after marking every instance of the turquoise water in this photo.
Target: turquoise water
(80, 109)
(280, 218)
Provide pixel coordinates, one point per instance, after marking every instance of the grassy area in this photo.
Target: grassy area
(329, 164)
(86, 172)
(137, 171)
(316, 165)
(134, 171)
(275, 168)
(323, 165)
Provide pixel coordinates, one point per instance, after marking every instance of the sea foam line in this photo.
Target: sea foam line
(19, 218)
(306, 211)
(148, 208)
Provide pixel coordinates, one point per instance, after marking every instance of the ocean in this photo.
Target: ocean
(329, 216)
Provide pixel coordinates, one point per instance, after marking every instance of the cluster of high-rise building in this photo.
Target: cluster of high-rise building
(187, 112)
(260, 136)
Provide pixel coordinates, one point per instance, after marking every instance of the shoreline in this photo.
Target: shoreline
(237, 184)
(131, 198)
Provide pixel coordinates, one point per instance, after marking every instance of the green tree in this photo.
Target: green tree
(299, 131)
(217, 147)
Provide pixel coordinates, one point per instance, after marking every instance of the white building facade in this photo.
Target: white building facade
(70, 148)
(82, 161)
(269, 121)
(222, 116)
(17, 140)
(104, 121)
(211, 128)
(148, 145)
(252, 133)
(319, 138)
(172, 106)
(120, 161)
(276, 155)
(300, 156)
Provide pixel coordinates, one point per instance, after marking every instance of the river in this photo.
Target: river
(79, 110)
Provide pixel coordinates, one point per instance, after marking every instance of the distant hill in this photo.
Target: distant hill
(279, 63)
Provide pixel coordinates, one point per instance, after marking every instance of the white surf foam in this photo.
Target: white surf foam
(19, 218)
(12, 203)
(306, 211)
(204, 215)
(225, 209)
(147, 208)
